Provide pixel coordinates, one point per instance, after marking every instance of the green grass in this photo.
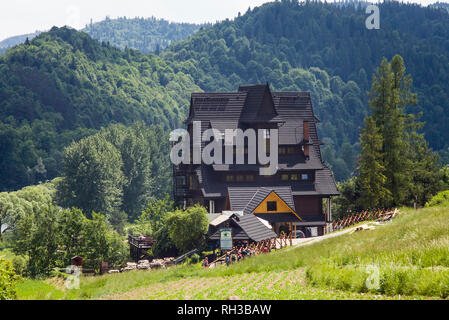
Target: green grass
(411, 254)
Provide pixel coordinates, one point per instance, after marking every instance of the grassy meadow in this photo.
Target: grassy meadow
(407, 258)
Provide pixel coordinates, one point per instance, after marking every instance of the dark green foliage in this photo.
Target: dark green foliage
(153, 222)
(64, 86)
(50, 237)
(372, 179)
(92, 176)
(143, 34)
(396, 166)
(116, 171)
(270, 42)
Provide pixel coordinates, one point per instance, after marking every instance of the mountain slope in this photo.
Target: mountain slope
(143, 34)
(277, 41)
(146, 35)
(63, 85)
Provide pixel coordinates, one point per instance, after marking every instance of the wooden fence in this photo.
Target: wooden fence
(379, 215)
(284, 240)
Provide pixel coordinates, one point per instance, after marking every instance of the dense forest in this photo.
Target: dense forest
(143, 34)
(327, 50)
(63, 85)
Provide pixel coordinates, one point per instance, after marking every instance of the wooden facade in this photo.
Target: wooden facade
(297, 196)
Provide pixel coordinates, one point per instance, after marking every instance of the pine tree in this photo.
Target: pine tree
(371, 179)
(396, 162)
(390, 94)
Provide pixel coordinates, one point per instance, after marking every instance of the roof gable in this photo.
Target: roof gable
(259, 105)
(282, 206)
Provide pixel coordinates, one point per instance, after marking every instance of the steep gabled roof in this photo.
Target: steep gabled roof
(246, 227)
(259, 106)
(247, 198)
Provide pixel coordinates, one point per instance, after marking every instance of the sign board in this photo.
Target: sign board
(226, 238)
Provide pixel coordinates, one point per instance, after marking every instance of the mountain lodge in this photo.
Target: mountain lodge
(297, 197)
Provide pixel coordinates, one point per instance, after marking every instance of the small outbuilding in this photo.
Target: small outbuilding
(246, 228)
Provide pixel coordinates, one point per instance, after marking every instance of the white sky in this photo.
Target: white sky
(26, 16)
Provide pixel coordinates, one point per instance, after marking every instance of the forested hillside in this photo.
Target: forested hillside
(143, 34)
(63, 85)
(13, 41)
(326, 49)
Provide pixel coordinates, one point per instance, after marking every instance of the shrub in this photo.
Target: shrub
(195, 258)
(20, 264)
(8, 280)
(440, 199)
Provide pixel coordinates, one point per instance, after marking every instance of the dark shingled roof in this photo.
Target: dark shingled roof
(255, 103)
(247, 227)
(259, 106)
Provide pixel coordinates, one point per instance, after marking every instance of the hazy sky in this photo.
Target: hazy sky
(26, 16)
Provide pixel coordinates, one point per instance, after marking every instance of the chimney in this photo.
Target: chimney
(306, 151)
(306, 130)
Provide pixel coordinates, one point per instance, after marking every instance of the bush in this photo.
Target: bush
(195, 258)
(441, 199)
(8, 280)
(20, 264)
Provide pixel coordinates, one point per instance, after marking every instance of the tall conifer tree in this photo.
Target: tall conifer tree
(372, 180)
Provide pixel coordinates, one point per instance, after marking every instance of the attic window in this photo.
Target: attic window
(271, 206)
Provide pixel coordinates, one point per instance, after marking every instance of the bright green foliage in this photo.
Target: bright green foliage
(188, 228)
(15, 205)
(153, 221)
(35, 236)
(93, 177)
(441, 199)
(8, 280)
(117, 171)
(372, 180)
(50, 237)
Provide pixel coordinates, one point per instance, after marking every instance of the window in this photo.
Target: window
(240, 178)
(271, 206)
(229, 178)
(284, 177)
(250, 178)
(266, 135)
(193, 182)
(282, 150)
(211, 206)
(294, 177)
(291, 150)
(304, 176)
(181, 180)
